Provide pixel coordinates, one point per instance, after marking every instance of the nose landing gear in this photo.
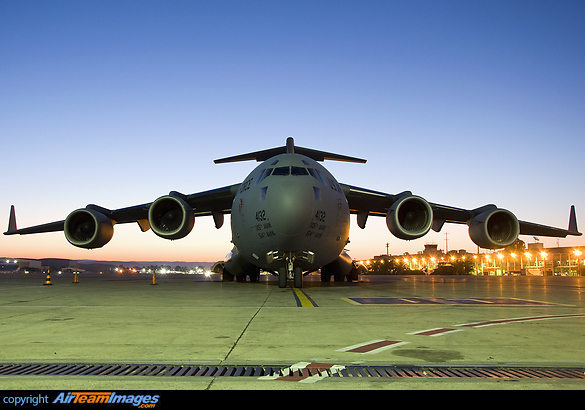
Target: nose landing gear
(290, 272)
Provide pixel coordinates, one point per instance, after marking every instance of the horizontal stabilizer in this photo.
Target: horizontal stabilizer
(290, 149)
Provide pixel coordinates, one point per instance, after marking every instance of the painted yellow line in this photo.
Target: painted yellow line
(353, 302)
(303, 299)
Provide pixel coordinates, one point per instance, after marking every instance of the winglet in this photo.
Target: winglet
(573, 221)
(11, 221)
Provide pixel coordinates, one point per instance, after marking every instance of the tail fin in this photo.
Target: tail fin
(12, 220)
(289, 148)
(573, 221)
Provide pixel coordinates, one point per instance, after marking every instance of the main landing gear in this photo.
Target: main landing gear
(253, 274)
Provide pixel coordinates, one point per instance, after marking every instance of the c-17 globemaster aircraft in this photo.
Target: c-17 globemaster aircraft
(291, 217)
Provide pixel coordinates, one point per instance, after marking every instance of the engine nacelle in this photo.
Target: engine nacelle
(410, 217)
(170, 217)
(494, 229)
(341, 268)
(87, 228)
(235, 263)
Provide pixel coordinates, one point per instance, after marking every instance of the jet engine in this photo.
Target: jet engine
(87, 228)
(170, 217)
(410, 217)
(494, 229)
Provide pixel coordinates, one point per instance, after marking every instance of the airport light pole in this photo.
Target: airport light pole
(544, 255)
(501, 258)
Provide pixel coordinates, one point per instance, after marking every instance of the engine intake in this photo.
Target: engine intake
(494, 229)
(170, 217)
(87, 228)
(410, 217)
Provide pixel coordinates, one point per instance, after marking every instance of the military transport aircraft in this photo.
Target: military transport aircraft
(291, 217)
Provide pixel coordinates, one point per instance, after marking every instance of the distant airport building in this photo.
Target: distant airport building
(29, 265)
(37, 265)
(535, 260)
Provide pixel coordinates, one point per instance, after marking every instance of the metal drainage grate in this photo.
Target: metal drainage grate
(162, 370)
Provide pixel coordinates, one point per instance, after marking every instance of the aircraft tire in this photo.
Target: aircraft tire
(226, 276)
(325, 274)
(353, 275)
(298, 278)
(282, 278)
(254, 275)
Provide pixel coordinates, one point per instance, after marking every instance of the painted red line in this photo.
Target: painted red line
(298, 374)
(520, 319)
(372, 346)
(293, 377)
(319, 366)
(433, 332)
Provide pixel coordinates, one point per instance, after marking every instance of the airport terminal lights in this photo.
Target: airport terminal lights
(536, 260)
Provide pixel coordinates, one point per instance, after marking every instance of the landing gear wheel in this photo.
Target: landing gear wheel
(353, 275)
(282, 277)
(298, 278)
(254, 274)
(226, 276)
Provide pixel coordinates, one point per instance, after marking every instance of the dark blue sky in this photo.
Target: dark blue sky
(118, 102)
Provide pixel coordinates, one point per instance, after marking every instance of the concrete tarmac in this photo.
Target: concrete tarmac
(383, 320)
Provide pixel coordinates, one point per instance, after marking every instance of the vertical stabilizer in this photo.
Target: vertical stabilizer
(573, 220)
(290, 145)
(12, 220)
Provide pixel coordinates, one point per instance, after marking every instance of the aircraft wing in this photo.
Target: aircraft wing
(486, 222)
(216, 202)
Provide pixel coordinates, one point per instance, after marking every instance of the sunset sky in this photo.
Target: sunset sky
(116, 103)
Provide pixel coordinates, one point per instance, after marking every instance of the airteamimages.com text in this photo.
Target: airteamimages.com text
(77, 397)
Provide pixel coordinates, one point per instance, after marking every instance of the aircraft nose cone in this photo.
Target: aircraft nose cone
(291, 208)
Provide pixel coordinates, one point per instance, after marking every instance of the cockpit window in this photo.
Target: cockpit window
(281, 171)
(299, 171)
(262, 175)
(315, 173)
(284, 171)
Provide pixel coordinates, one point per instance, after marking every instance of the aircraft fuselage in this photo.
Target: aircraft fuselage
(290, 211)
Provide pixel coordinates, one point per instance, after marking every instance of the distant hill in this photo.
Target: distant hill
(99, 266)
(131, 264)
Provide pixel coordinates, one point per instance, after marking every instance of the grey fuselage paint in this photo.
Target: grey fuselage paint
(290, 206)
